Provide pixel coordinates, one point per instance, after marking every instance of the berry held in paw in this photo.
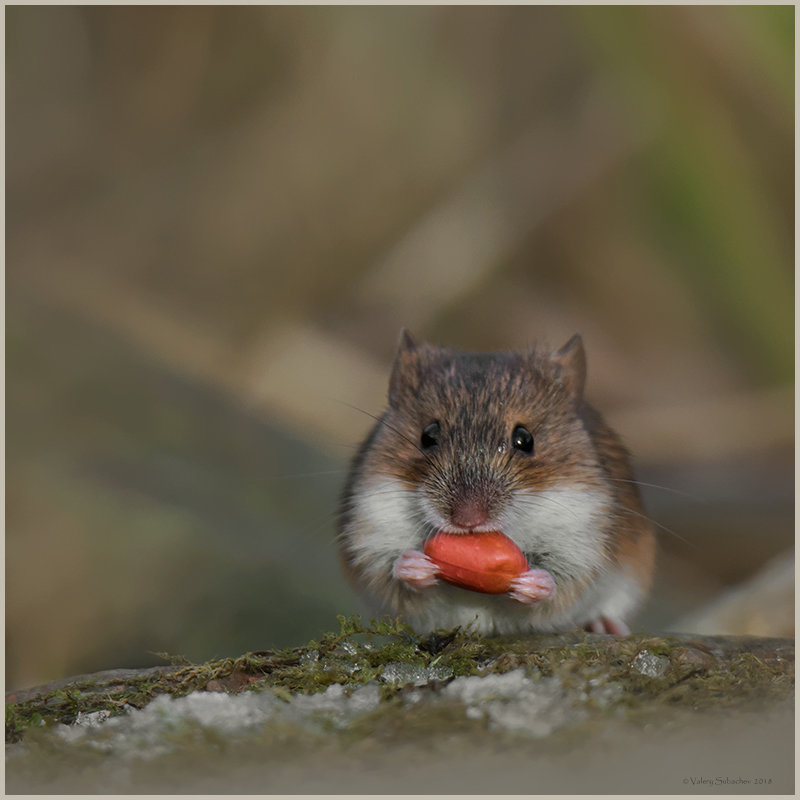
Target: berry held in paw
(483, 562)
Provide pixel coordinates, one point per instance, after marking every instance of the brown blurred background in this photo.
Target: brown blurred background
(218, 219)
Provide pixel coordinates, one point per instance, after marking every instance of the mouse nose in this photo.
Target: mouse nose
(469, 513)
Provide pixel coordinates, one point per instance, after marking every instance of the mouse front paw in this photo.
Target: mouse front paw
(532, 586)
(415, 569)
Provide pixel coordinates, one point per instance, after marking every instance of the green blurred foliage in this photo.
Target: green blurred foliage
(718, 195)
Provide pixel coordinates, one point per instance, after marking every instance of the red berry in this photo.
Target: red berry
(483, 562)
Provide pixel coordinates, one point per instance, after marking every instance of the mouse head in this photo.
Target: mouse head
(476, 442)
(472, 429)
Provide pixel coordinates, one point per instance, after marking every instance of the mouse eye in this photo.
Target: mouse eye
(430, 435)
(522, 440)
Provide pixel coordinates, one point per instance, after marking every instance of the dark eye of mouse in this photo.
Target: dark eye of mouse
(430, 435)
(522, 440)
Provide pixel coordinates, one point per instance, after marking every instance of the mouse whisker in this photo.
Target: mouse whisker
(626, 510)
(663, 488)
(298, 475)
(382, 421)
(536, 500)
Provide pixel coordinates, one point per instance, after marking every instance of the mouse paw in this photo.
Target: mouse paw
(532, 586)
(415, 569)
(616, 627)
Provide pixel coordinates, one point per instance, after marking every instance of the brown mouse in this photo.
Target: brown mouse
(479, 442)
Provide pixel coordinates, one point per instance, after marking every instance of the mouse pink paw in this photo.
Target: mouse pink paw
(532, 586)
(415, 569)
(616, 627)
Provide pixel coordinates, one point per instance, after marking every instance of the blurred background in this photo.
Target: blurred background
(218, 219)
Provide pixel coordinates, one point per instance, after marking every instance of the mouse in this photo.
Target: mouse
(480, 442)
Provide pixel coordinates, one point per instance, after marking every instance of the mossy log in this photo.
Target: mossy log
(693, 671)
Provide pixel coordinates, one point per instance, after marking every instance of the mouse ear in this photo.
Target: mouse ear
(406, 341)
(405, 374)
(571, 359)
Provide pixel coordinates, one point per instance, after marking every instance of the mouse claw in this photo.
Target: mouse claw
(532, 586)
(415, 569)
